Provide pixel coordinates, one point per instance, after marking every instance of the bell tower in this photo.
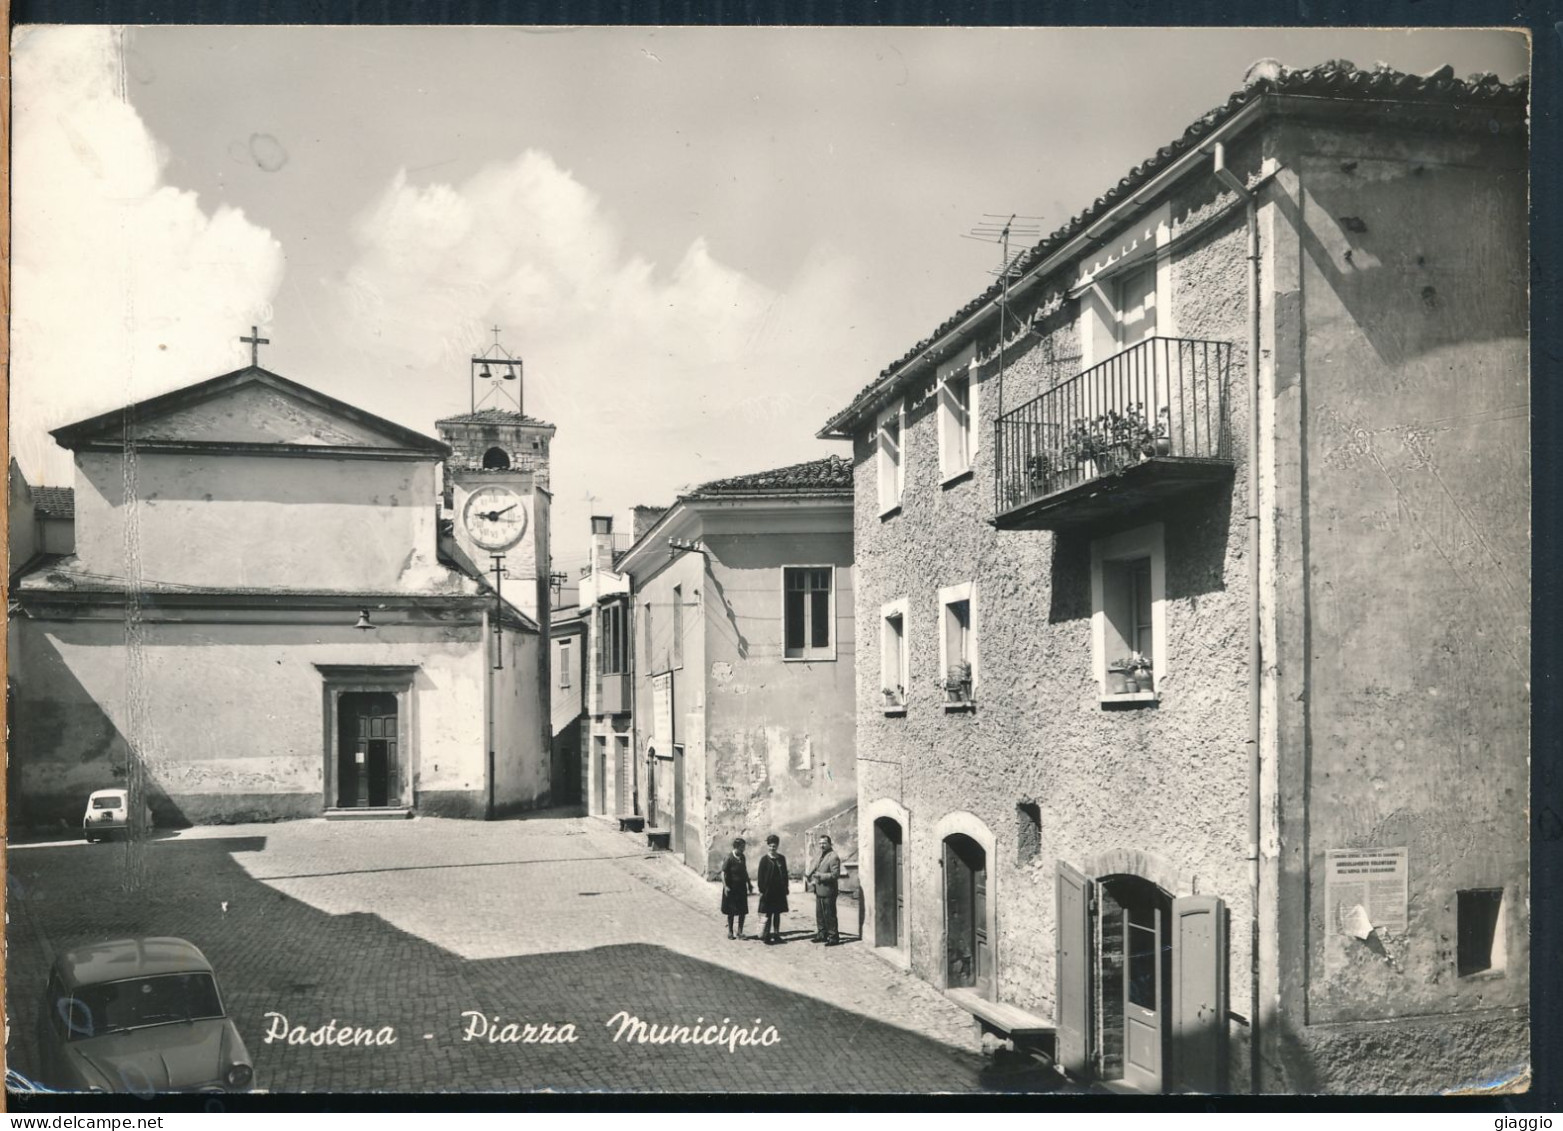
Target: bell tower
(496, 445)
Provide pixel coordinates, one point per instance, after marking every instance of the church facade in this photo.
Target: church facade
(265, 617)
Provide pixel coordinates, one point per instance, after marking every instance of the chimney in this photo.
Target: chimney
(602, 543)
(644, 519)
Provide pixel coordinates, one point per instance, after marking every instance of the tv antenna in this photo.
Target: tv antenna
(492, 371)
(996, 228)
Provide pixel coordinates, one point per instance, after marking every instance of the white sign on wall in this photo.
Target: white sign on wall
(662, 736)
(1366, 889)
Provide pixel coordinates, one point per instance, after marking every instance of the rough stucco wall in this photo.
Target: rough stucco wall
(1169, 782)
(228, 719)
(369, 524)
(655, 656)
(779, 734)
(1413, 401)
(521, 738)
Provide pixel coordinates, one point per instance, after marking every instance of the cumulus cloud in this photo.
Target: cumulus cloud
(655, 376)
(123, 286)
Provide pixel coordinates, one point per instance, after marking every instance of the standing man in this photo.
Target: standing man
(826, 875)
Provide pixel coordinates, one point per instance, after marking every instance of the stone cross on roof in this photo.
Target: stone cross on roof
(256, 341)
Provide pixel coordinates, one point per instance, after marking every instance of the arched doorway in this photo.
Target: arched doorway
(1142, 983)
(1136, 973)
(889, 883)
(968, 950)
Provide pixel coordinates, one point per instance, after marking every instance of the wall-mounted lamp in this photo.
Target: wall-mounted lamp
(363, 621)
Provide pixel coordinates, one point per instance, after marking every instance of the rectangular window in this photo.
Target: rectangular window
(678, 626)
(1479, 931)
(891, 471)
(649, 649)
(808, 598)
(1129, 640)
(1028, 831)
(613, 640)
(564, 663)
(955, 425)
(958, 644)
(893, 677)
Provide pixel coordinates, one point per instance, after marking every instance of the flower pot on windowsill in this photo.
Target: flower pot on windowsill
(1118, 682)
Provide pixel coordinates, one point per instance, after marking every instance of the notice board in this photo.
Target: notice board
(662, 736)
(1366, 889)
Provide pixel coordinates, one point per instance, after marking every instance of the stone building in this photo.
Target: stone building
(259, 618)
(1194, 562)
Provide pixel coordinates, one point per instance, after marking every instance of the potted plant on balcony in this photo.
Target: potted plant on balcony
(1155, 439)
(957, 683)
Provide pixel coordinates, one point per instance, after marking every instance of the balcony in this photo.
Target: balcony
(613, 694)
(1146, 425)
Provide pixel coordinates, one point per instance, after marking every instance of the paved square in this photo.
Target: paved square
(549, 920)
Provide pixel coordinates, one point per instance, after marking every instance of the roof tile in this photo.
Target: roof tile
(831, 475)
(1337, 78)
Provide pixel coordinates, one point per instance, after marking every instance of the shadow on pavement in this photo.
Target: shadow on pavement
(277, 956)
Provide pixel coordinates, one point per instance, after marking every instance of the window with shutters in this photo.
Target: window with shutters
(613, 640)
(564, 663)
(1128, 591)
(888, 460)
(957, 434)
(808, 612)
(678, 626)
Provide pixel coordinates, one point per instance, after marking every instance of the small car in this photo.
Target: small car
(139, 1015)
(109, 813)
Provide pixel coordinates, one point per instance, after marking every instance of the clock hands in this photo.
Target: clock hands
(493, 516)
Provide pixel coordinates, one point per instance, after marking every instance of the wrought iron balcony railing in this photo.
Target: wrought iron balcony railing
(1142, 416)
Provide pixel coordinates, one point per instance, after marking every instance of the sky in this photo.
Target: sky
(703, 242)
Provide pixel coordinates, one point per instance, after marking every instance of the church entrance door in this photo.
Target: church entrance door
(366, 750)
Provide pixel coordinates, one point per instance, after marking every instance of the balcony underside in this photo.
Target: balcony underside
(1155, 480)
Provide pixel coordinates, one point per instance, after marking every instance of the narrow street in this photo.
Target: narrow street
(557, 921)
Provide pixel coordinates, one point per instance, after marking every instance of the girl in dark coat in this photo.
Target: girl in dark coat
(736, 888)
(773, 890)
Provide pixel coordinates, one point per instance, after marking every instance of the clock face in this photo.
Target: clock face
(495, 517)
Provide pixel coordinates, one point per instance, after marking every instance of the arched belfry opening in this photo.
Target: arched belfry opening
(496, 459)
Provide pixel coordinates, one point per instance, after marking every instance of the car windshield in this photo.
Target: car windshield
(112, 801)
(138, 1002)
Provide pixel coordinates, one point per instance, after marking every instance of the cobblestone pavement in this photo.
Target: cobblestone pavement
(557, 920)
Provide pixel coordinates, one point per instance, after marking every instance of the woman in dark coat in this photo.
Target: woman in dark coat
(773, 890)
(736, 888)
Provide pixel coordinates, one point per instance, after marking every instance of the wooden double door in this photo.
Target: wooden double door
(1142, 984)
(369, 771)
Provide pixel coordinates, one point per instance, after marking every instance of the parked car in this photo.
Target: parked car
(109, 813)
(139, 1015)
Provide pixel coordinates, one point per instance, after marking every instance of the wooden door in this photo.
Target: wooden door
(1075, 969)
(367, 754)
(979, 918)
(1143, 997)
(965, 898)
(678, 800)
(600, 789)
(887, 883)
(621, 791)
(1199, 994)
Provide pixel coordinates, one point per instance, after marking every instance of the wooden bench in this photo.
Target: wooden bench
(631, 824)
(659, 839)
(1004, 1019)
